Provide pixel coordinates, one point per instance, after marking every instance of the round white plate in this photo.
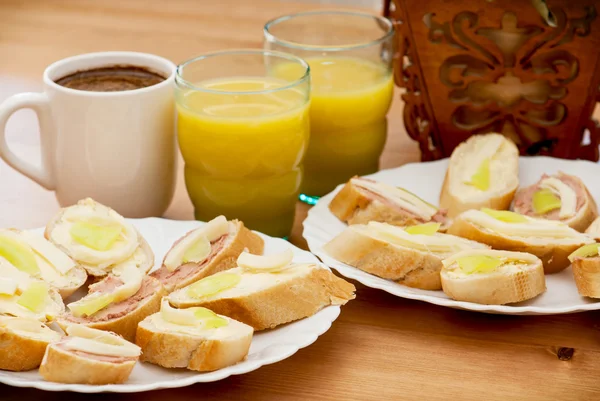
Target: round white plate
(425, 180)
(267, 347)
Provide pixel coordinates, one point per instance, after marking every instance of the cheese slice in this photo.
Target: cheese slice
(98, 342)
(510, 262)
(568, 197)
(199, 238)
(405, 199)
(265, 263)
(30, 328)
(195, 316)
(491, 146)
(8, 286)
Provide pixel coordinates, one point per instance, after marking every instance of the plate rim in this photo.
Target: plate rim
(372, 281)
(328, 314)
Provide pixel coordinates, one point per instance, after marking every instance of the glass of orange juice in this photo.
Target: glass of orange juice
(243, 133)
(350, 57)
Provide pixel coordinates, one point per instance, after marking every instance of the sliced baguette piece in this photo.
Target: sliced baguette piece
(594, 229)
(31, 299)
(499, 185)
(224, 251)
(24, 343)
(269, 299)
(192, 343)
(518, 277)
(88, 356)
(549, 240)
(129, 248)
(389, 252)
(576, 207)
(363, 200)
(120, 317)
(52, 265)
(585, 263)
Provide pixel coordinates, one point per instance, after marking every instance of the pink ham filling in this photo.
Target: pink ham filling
(438, 217)
(524, 199)
(104, 358)
(119, 309)
(171, 278)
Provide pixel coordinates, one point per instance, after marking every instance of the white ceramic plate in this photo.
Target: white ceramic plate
(425, 180)
(267, 346)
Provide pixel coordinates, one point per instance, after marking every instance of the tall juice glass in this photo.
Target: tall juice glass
(243, 133)
(350, 57)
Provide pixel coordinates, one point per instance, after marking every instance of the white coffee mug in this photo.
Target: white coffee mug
(116, 147)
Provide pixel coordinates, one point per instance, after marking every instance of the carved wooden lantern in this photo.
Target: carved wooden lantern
(513, 66)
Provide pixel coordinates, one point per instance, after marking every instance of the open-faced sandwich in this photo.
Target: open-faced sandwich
(363, 200)
(89, 356)
(209, 249)
(266, 291)
(23, 342)
(560, 197)
(34, 255)
(411, 255)
(24, 296)
(552, 241)
(594, 229)
(99, 239)
(193, 338)
(483, 171)
(116, 303)
(585, 262)
(486, 276)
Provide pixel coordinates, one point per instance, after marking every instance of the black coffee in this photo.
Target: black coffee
(111, 79)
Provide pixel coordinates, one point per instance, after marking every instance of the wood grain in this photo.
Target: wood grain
(381, 347)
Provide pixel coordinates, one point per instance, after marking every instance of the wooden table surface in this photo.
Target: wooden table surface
(381, 347)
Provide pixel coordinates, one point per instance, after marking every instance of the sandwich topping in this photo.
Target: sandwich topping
(35, 256)
(553, 197)
(190, 320)
(29, 328)
(29, 298)
(97, 342)
(213, 285)
(195, 247)
(515, 224)
(265, 263)
(477, 171)
(586, 251)
(425, 240)
(480, 261)
(399, 196)
(130, 282)
(95, 235)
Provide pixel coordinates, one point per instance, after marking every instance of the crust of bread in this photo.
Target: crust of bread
(19, 353)
(352, 206)
(62, 366)
(494, 289)
(282, 302)
(226, 258)
(405, 266)
(456, 204)
(180, 350)
(126, 325)
(593, 230)
(554, 256)
(79, 278)
(586, 272)
(584, 216)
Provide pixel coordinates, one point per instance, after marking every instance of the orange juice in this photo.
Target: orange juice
(243, 152)
(350, 98)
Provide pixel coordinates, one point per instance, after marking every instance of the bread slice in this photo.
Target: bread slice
(593, 229)
(52, 264)
(551, 241)
(459, 194)
(130, 248)
(363, 200)
(121, 317)
(518, 277)
(267, 300)
(49, 309)
(223, 255)
(82, 359)
(194, 347)
(577, 208)
(414, 260)
(23, 343)
(586, 270)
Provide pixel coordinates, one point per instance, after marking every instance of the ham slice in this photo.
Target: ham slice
(524, 204)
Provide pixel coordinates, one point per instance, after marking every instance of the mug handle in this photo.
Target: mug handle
(40, 104)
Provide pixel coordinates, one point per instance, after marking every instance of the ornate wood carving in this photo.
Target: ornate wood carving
(479, 66)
